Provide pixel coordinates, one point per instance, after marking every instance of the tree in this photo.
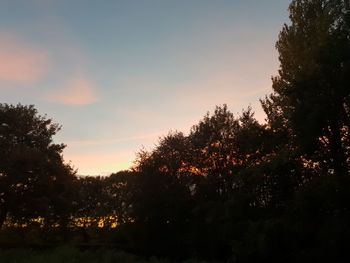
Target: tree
(161, 196)
(117, 188)
(214, 152)
(90, 201)
(163, 184)
(227, 152)
(310, 109)
(312, 88)
(34, 180)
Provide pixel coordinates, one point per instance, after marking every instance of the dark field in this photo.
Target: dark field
(68, 254)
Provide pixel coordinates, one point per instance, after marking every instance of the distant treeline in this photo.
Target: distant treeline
(232, 189)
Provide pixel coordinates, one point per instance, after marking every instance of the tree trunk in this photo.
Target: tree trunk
(3, 215)
(63, 222)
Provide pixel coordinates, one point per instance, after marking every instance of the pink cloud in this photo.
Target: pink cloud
(20, 63)
(78, 92)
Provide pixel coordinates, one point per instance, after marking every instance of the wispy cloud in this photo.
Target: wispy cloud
(78, 92)
(145, 138)
(20, 63)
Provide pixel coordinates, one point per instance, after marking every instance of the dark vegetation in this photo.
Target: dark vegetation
(232, 189)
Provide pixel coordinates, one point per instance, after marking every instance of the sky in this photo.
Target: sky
(118, 74)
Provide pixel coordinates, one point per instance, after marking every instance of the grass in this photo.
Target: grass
(68, 254)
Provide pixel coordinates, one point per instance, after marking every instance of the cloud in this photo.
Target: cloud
(20, 63)
(145, 138)
(78, 92)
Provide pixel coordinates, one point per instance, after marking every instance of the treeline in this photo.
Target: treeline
(232, 189)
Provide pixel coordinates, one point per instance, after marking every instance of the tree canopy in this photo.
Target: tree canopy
(312, 88)
(34, 179)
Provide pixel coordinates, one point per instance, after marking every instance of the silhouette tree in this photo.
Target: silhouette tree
(214, 154)
(227, 151)
(162, 195)
(312, 88)
(118, 191)
(308, 117)
(90, 201)
(34, 180)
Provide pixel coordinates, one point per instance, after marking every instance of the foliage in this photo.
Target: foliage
(312, 88)
(34, 180)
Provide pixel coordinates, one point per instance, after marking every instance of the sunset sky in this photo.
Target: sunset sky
(118, 74)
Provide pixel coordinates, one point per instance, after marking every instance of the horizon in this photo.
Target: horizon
(118, 76)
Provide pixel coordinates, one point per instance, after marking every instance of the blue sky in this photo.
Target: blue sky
(119, 74)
